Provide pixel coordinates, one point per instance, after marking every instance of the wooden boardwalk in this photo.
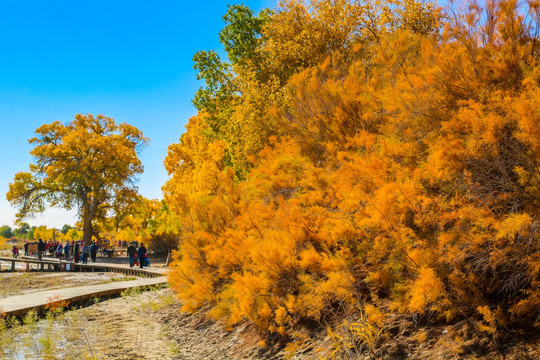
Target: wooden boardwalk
(50, 264)
(38, 301)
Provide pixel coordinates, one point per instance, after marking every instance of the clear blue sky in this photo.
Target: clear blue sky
(129, 60)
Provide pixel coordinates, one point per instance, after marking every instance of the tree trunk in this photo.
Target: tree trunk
(88, 230)
(98, 238)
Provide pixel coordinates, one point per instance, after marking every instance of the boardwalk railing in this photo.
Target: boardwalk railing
(58, 265)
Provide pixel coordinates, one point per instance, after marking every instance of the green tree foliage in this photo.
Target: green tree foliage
(66, 228)
(5, 231)
(218, 100)
(23, 229)
(31, 233)
(242, 35)
(218, 90)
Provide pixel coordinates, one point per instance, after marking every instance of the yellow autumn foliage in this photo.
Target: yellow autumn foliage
(391, 164)
(425, 290)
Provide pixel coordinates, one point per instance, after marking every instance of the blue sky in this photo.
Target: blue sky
(129, 60)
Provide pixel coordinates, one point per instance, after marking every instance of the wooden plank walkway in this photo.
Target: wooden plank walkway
(51, 264)
(38, 301)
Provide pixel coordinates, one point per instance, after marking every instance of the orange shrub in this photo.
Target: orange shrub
(404, 170)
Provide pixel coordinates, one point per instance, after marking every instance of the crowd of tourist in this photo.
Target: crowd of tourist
(78, 251)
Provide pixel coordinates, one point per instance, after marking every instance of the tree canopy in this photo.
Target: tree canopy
(6, 231)
(87, 164)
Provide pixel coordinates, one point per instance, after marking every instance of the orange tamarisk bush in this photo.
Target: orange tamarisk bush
(404, 169)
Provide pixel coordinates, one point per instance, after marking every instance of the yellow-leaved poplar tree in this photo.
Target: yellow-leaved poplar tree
(86, 164)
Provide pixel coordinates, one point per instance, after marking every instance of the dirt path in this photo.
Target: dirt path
(150, 326)
(125, 331)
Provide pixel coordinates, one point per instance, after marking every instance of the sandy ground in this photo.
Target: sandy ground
(150, 326)
(127, 328)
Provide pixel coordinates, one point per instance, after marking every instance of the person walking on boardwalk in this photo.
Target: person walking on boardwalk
(131, 251)
(66, 250)
(76, 253)
(93, 251)
(141, 252)
(40, 249)
(15, 251)
(85, 253)
(26, 248)
(59, 253)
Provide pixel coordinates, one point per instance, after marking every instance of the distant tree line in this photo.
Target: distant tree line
(25, 231)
